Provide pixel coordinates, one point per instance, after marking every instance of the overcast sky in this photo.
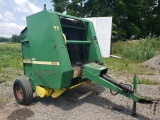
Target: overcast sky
(13, 14)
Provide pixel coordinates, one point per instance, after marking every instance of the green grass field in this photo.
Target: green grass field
(10, 62)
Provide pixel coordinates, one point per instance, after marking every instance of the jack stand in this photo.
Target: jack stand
(134, 109)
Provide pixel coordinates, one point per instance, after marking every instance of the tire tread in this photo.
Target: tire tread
(27, 89)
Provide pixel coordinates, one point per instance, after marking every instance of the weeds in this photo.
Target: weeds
(150, 73)
(123, 65)
(133, 53)
(147, 82)
(4, 99)
(10, 62)
(138, 51)
(10, 56)
(1, 81)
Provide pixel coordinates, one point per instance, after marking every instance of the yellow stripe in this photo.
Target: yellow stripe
(41, 62)
(45, 63)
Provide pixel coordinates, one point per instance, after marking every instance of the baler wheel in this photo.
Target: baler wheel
(22, 91)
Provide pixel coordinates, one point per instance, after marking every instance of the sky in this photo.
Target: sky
(13, 14)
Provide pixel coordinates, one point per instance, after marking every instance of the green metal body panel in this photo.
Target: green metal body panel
(43, 47)
(94, 52)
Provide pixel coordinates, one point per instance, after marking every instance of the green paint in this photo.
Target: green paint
(135, 83)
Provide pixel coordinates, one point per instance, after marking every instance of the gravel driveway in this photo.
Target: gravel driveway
(86, 102)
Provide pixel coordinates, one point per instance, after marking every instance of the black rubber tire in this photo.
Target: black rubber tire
(25, 96)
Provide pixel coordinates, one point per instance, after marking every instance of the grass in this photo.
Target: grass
(123, 65)
(4, 99)
(133, 53)
(138, 51)
(147, 82)
(10, 62)
(10, 56)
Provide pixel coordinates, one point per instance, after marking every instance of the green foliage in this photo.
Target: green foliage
(60, 5)
(14, 38)
(3, 39)
(123, 66)
(76, 8)
(137, 50)
(147, 81)
(10, 56)
(10, 62)
(156, 18)
(1, 81)
(132, 53)
(4, 99)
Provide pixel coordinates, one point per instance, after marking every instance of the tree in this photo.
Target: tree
(147, 17)
(3, 39)
(15, 38)
(156, 16)
(60, 5)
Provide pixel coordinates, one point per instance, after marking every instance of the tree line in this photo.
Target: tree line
(14, 38)
(132, 19)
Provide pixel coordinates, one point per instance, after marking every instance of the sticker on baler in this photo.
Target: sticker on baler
(54, 27)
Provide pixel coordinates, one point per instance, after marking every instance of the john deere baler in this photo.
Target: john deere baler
(60, 52)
